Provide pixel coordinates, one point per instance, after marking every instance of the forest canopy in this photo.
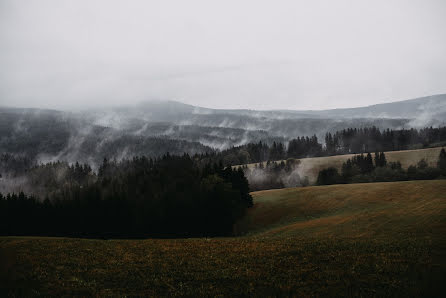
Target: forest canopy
(166, 197)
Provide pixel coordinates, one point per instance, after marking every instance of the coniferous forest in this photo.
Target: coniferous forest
(365, 168)
(182, 196)
(167, 197)
(347, 141)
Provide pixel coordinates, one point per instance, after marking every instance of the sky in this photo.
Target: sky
(221, 54)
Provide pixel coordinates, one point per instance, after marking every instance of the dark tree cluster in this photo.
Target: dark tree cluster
(167, 197)
(262, 152)
(347, 141)
(277, 151)
(361, 163)
(70, 139)
(244, 154)
(12, 165)
(361, 168)
(304, 147)
(49, 178)
(274, 174)
(361, 140)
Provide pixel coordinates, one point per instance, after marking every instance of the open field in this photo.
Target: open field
(311, 166)
(370, 210)
(376, 239)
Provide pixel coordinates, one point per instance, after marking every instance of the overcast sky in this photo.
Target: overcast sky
(222, 54)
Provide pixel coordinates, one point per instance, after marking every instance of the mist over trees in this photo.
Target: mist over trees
(152, 129)
(361, 140)
(23, 173)
(347, 141)
(274, 174)
(363, 168)
(166, 197)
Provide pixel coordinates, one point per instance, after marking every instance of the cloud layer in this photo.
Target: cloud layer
(221, 54)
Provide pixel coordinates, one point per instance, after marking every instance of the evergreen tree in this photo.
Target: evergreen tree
(383, 160)
(328, 176)
(441, 164)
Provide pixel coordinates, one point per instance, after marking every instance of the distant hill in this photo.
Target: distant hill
(155, 127)
(429, 107)
(434, 106)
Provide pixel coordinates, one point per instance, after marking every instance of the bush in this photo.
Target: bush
(328, 176)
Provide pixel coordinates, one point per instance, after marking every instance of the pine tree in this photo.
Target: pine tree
(377, 159)
(369, 163)
(383, 159)
(442, 160)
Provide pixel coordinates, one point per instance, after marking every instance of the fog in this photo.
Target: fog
(226, 54)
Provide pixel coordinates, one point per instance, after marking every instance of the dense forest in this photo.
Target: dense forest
(347, 141)
(274, 174)
(166, 197)
(372, 139)
(365, 168)
(22, 172)
(51, 136)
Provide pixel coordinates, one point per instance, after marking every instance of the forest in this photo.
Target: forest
(185, 196)
(365, 168)
(166, 197)
(347, 141)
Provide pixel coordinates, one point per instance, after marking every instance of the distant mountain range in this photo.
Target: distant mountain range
(155, 127)
(434, 105)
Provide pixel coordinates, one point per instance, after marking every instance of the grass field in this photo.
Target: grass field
(376, 239)
(311, 166)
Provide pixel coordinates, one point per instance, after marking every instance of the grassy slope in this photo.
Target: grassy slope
(364, 239)
(311, 166)
(354, 210)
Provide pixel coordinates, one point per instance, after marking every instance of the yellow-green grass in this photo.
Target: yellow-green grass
(381, 239)
(365, 210)
(311, 166)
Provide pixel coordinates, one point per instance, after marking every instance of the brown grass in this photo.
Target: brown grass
(349, 209)
(381, 239)
(311, 166)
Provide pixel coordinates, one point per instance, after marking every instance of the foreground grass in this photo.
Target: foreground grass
(381, 239)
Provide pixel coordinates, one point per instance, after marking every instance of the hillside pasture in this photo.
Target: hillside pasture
(376, 239)
(311, 166)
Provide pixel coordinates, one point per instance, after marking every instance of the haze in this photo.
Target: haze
(220, 54)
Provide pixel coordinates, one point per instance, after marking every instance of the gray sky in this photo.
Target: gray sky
(222, 54)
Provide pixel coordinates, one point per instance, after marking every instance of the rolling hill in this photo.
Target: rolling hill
(371, 210)
(310, 167)
(382, 239)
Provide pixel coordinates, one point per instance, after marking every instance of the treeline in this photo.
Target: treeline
(365, 168)
(14, 165)
(21, 174)
(59, 136)
(362, 140)
(167, 197)
(347, 141)
(274, 174)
